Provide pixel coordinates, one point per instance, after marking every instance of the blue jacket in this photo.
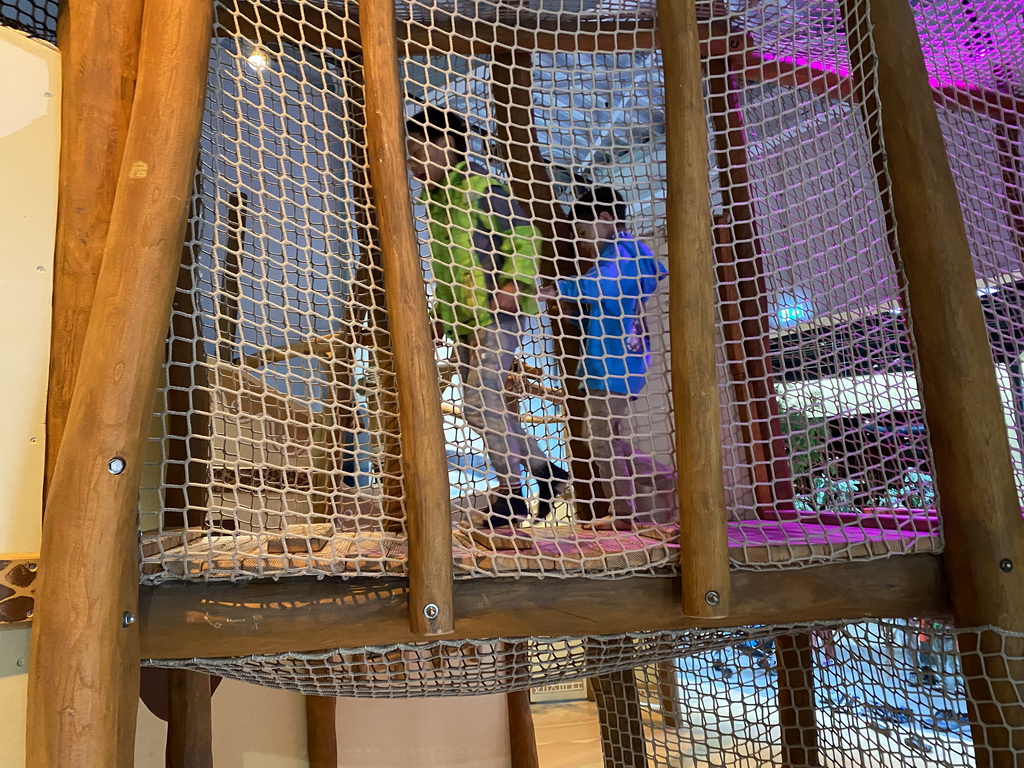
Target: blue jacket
(611, 297)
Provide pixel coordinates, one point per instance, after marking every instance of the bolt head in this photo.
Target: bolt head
(116, 465)
(127, 619)
(712, 598)
(32, 567)
(431, 611)
(29, 613)
(1006, 565)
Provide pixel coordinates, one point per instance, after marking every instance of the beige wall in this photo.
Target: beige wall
(256, 727)
(29, 139)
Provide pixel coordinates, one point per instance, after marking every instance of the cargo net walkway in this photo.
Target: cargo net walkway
(275, 446)
(873, 693)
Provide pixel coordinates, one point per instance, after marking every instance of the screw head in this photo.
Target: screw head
(712, 598)
(431, 611)
(32, 567)
(20, 663)
(29, 613)
(116, 465)
(127, 619)
(1006, 565)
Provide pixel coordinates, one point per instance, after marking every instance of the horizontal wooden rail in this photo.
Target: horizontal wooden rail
(304, 614)
(266, 21)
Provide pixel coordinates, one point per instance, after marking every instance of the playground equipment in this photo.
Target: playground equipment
(836, 189)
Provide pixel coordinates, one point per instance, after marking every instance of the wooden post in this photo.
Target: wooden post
(227, 306)
(621, 722)
(512, 76)
(984, 540)
(1011, 164)
(189, 721)
(703, 546)
(189, 425)
(769, 455)
(99, 45)
(667, 673)
(424, 461)
(794, 663)
(521, 734)
(322, 731)
(83, 677)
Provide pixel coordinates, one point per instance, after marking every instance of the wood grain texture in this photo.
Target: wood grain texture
(83, 678)
(18, 587)
(190, 720)
(521, 734)
(703, 556)
(767, 444)
(974, 473)
(424, 458)
(794, 665)
(99, 45)
(322, 731)
(303, 614)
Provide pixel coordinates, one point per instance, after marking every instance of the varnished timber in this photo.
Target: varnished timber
(620, 719)
(322, 731)
(229, 338)
(99, 45)
(767, 445)
(189, 721)
(303, 614)
(424, 458)
(973, 469)
(83, 676)
(794, 666)
(703, 553)
(521, 734)
(512, 89)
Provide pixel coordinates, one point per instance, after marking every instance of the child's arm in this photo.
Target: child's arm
(511, 235)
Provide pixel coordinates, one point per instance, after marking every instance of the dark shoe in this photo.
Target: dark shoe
(552, 481)
(506, 510)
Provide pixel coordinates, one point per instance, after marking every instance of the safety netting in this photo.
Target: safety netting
(276, 449)
(37, 18)
(873, 693)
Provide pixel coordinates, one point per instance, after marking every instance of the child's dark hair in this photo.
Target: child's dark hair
(434, 123)
(592, 203)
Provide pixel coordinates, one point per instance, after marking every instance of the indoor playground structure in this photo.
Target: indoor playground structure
(260, 466)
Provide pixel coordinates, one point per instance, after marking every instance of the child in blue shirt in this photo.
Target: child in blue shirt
(609, 302)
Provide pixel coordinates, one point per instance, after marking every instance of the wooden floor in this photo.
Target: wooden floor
(561, 549)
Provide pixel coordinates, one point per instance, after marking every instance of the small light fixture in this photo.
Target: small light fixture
(259, 59)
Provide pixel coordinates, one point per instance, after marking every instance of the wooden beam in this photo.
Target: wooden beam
(748, 265)
(189, 721)
(798, 722)
(980, 509)
(304, 614)
(322, 731)
(521, 734)
(84, 674)
(424, 458)
(621, 721)
(99, 45)
(704, 551)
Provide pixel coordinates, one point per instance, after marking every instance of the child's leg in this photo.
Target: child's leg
(601, 425)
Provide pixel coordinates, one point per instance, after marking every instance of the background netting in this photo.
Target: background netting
(37, 18)
(879, 693)
(275, 446)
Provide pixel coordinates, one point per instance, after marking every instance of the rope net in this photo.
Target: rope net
(537, 157)
(37, 18)
(878, 693)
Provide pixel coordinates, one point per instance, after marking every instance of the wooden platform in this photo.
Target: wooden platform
(564, 550)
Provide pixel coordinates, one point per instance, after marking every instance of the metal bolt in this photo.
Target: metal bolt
(40, 268)
(431, 611)
(127, 619)
(712, 598)
(116, 465)
(29, 613)
(1006, 565)
(20, 662)
(32, 567)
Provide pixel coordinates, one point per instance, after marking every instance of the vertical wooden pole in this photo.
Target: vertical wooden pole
(99, 45)
(794, 663)
(322, 731)
(512, 84)
(621, 720)
(980, 509)
(189, 425)
(424, 461)
(227, 315)
(84, 670)
(766, 440)
(668, 692)
(703, 550)
(521, 734)
(189, 720)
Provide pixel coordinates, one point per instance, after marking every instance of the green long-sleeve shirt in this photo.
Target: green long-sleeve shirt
(479, 241)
